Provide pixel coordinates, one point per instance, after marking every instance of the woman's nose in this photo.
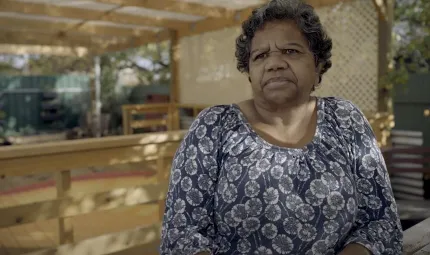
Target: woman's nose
(275, 62)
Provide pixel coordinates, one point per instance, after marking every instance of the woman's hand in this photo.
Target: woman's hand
(355, 249)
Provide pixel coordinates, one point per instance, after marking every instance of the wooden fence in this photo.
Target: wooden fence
(59, 157)
(416, 240)
(167, 115)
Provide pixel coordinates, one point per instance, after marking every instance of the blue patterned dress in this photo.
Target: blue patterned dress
(231, 192)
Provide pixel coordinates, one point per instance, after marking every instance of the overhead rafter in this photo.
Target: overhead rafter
(136, 42)
(64, 27)
(85, 14)
(94, 45)
(43, 50)
(174, 6)
(213, 24)
(70, 33)
(28, 37)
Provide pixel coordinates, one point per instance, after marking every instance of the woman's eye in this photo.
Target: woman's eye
(259, 56)
(290, 51)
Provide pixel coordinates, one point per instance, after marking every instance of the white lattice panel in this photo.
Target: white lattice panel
(208, 72)
(354, 74)
(207, 69)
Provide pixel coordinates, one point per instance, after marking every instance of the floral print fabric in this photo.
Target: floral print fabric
(231, 192)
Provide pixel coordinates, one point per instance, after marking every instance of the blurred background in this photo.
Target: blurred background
(95, 97)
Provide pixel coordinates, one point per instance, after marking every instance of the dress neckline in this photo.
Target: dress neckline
(315, 140)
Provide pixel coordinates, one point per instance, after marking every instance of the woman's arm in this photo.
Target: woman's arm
(188, 226)
(355, 249)
(377, 226)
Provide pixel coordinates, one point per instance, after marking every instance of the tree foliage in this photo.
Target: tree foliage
(411, 40)
(149, 64)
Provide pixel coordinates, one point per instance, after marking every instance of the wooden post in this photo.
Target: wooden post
(65, 225)
(385, 24)
(174, 74)
(126, 121)
(169, 117)
(174, 58)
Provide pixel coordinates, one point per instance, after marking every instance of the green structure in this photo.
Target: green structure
(40, 104)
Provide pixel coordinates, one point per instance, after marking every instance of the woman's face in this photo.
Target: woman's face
(281, 66)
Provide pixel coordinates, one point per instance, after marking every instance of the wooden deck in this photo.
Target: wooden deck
(78, 197)
(39, 235)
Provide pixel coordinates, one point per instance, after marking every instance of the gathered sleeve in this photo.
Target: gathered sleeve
(377, 225)
(188, 223)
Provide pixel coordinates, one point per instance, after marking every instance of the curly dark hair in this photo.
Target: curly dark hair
(304, 16)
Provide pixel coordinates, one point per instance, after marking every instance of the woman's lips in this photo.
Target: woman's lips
(276, 82)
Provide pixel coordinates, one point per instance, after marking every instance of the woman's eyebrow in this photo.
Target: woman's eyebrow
(278, 47)
(260, 49)
(291, 44)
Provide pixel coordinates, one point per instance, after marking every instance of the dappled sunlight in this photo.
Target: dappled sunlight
(102, 197)
(113, 199)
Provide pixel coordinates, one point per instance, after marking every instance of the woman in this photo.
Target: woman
(284, 172)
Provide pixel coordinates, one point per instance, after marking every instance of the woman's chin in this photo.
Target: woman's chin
(280, 97)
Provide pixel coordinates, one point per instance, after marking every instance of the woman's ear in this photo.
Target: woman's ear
(318, 73)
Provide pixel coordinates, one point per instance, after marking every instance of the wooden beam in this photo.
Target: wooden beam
(63, 184)
(23, 151)
(79, 205)
(416, 237)
(85, 14)
(381, 8)
(385, 25)
(236, 19)
(43, 50)
(51, 157)
(174, 68)
(64, 27)
(174, 6)
(113, 243)
(136, 42)
(93, 44)
(31, 38)
(213, 24)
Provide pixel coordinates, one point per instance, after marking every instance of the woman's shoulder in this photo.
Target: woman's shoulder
(339, 103)
(215, 115)
(344, 114)
(341, 108)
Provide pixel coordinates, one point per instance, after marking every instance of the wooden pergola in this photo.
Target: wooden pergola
(99, 26)
(94, 27)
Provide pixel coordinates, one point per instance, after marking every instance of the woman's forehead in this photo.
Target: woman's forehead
(279, 32)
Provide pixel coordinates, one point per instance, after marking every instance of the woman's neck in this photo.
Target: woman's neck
(287, 115)
(292, 126)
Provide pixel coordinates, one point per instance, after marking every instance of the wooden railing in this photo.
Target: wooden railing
(166, 115)
(60, 157)
(416, 240)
